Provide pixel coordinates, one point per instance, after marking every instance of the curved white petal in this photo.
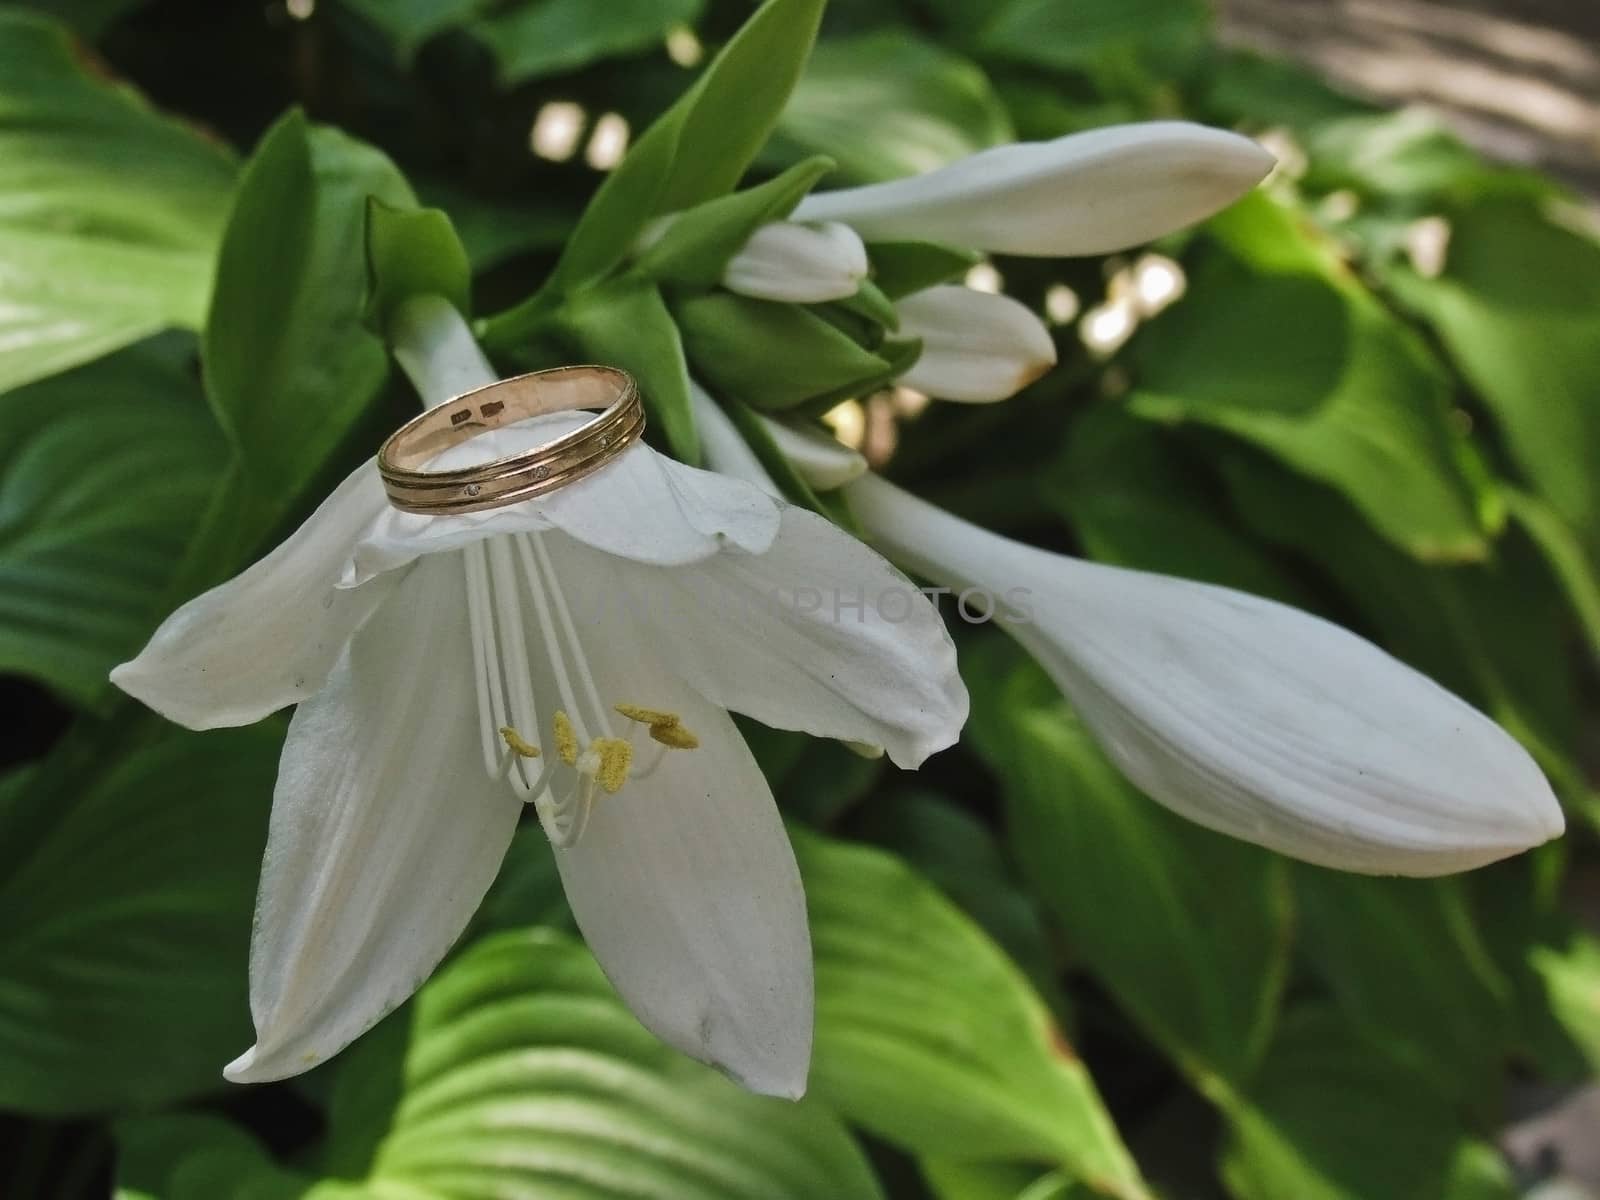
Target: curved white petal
(820, 459)
(798, 263)
(686, 890)
(819, 634)
(268, 637)
(976, 347)
(1245, 715)
(385, 831)
(1086, 193)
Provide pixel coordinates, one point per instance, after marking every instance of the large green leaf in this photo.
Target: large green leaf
(1277, 344)
(928, 106)
(928, 1035)
(1518, 306)
(1080, 34)
(535, 38)
(289, 364)
(109, 212)
(103, 472)
(1134, 500)
(1187, 928)
(1331, 1118)
(127, 920)
(1447, 1016)
(522, 1074)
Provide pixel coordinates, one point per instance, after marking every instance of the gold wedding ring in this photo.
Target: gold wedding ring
(519, 476)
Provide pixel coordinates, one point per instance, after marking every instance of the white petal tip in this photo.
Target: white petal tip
(244, 1069)
(781, 1081)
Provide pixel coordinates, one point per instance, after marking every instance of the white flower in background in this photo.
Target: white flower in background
(976, 347)
(1246, 715)
(1083, 194)
(580, 652)
(799, 264)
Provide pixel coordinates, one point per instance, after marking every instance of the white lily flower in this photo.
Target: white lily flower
(798, 263)
(607, 628)
(1244, 715)
(977, 347)
(1086, 193)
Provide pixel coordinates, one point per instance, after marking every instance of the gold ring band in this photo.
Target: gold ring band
(518, 476)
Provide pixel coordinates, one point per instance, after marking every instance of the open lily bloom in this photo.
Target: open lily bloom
(1087, 193)
(1242, 714)
(578, 652)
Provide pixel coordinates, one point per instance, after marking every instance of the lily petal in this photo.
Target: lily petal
(268, 637)
(687, 892)
(976, 347)
(1248, 716)
(385, 832)
(798, 263)
(819, 634)
(1086, 193)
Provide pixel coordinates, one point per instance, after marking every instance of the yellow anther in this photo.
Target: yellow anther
(518, 743)
(616, 756)
(665, 727)
(647, 716)
(674, 736)
(566, 739)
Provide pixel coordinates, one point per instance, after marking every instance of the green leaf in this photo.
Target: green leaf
(407, 24)
(962, 857)
(629, 326)
(1330, 1118)
(891, 104)
(535, 38)
(1187, 928)
(1518, 306)
(900, 268)
(1411, 157)
(1569, 562)
(949, 1180)
(1078, 35)
(1447, 1016)
(726, 117)
(289, 364)
(773, 356)
(1277, 344)
(523, 1074)
(695, 248)
(123, 952)
(1135, 501)
(413, 253)
(83, 568)
(109, 212)
(929, 1036)
(695, 151)
(182, 1156)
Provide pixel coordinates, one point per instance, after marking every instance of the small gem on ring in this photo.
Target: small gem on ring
(473, 489)
(541, 472)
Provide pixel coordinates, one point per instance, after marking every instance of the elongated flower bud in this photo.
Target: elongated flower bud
(800, 264)
(976, 347)
(1245, 715)
(1086, 193)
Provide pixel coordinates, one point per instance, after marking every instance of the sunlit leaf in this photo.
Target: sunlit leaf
(928, 1035)
(109, 212)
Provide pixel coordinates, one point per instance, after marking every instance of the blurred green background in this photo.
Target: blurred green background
(1371, 389)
